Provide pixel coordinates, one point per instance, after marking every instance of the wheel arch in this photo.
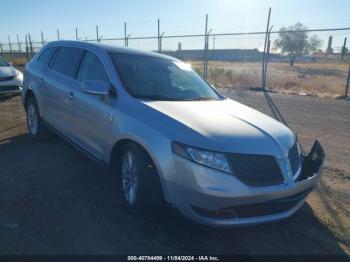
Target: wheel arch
(28, 94)
(118, 149)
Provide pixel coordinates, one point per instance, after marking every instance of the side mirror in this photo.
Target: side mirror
(95, 87)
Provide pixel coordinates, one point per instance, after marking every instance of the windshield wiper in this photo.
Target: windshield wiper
(200, 98)
(168, 98)
(158, 97)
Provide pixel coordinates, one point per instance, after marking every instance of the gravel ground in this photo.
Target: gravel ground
(53, 200)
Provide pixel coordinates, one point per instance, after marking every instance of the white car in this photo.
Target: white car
(11, 79)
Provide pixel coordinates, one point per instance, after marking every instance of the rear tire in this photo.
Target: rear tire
(139, 184)
(36, 126)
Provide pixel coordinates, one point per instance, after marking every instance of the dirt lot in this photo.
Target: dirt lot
(53, 200)
(316, 79)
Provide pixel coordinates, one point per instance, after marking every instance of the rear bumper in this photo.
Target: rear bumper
(214, 198)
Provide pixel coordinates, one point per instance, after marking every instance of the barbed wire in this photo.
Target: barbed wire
(199, 35)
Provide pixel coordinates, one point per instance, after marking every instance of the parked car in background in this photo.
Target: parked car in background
(11, 79)
(168, 135)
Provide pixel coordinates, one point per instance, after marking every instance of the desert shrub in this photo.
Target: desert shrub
(216, 74)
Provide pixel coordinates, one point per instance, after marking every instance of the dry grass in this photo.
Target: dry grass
(316, 79)
(17, 61)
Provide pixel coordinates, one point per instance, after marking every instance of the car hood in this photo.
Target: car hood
(7, 71)
(233, 126)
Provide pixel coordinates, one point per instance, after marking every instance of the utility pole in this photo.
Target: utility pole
(265, 48)
(58, 34)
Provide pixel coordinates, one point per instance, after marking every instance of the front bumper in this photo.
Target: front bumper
(10, 87)
(214, 198)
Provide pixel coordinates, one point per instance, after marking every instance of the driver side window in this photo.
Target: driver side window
(92, 68)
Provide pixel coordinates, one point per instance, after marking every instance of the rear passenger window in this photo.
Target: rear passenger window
(67, 60)
(92, 69)
(46, 56)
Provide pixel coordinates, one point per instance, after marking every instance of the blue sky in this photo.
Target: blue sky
(177, 17)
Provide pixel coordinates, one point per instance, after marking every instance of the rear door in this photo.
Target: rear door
(40, 75)
(60, 85)
(93, 115)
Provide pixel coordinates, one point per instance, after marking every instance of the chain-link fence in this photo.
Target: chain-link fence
(235, 60)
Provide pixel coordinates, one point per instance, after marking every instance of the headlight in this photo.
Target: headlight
(204, 157)
(19, 76)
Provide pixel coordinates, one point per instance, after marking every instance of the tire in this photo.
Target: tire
(147, 199)
(36, 127)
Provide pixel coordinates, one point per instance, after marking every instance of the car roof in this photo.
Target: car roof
(109, 48)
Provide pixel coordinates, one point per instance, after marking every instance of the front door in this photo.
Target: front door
(92, 115)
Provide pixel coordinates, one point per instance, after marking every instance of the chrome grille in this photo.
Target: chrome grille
(256, 170)
(294, 158)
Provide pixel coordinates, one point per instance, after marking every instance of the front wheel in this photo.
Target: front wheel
(36, 127)
(139, 182)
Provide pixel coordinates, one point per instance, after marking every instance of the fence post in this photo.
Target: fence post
(19, 44)
(160, 42)
(125, 38)
(265, 48)
(30, 46)
(267, 56)
(205, 64)
(58, 34)
(27, 53)
(1, 49)
(42, 39)
(10, 46)
(97, 36)
(76, 34)
(347, 83)
(159, 50)
(343, 50)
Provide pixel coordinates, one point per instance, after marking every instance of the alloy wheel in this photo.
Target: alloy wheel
(129, 177)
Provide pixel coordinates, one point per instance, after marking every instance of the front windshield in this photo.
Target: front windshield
(3, 62)
(154, 78)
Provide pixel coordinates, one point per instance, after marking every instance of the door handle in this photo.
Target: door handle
(70, 96)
